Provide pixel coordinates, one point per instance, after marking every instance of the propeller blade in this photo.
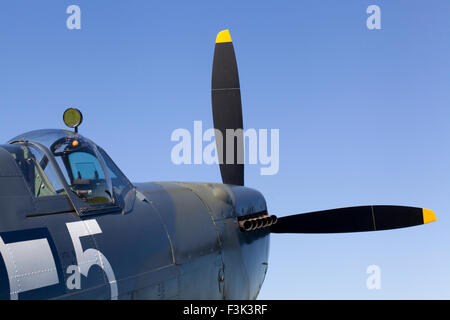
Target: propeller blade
(354, 219)
(227, 109)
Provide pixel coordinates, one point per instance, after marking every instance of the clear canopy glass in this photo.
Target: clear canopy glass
(80, 163)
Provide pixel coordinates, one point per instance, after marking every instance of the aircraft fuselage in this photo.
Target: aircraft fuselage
(176, 241)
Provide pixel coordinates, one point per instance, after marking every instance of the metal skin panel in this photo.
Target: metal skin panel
(255, 252)
(134, 244)
(218, 198)
(195, 240)
(178, 241)
(15, 197)
(201, 278)
(16, 203)
(245, 254)
(188, 222)
(237, 279)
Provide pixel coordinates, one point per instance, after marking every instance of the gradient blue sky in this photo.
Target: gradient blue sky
(363, 115)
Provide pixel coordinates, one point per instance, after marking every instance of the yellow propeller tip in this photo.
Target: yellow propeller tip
(223, 36)
(428, 216)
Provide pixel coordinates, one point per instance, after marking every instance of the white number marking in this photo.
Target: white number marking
(90, 257)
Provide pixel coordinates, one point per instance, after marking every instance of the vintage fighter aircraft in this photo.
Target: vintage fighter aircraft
(72, 226)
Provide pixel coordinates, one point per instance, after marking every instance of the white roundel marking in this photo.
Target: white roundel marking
(29, 264)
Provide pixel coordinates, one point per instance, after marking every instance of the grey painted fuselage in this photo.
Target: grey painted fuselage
(178, 241)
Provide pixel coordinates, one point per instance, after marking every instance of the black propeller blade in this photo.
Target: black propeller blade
(227, 108)
(354, 219)
(227, 114)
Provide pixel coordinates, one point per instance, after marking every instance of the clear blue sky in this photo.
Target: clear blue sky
(363, 115)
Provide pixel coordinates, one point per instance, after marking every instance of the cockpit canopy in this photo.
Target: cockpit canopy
(61, 162)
